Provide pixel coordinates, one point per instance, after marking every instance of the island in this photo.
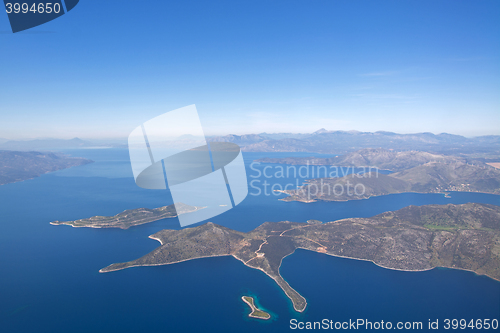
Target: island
(415, 238)
(16, 166)
(132, 217)
(413, 171)
(255, 311)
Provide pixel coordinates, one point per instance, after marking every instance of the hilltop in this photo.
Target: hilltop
(341, 142)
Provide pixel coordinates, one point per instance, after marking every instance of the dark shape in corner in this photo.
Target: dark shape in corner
(36, 13)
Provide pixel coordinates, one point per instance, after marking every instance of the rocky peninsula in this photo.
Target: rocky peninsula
(132, 217)
(414, 238)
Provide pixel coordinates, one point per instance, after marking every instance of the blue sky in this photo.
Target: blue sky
(255, 66)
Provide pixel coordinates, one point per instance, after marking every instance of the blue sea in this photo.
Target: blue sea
(49, 279)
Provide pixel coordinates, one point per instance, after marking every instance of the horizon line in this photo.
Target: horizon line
(320, 131)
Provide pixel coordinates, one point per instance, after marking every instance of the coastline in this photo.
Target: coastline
(401, 269)
(299, 303)
(278, 282)
(445, 193)
(169, 263)
(133, 224)
(254, 309)
(81, 226)
(272, 277)
(283, 238)
(157, 239)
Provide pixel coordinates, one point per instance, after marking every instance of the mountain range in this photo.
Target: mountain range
(321, 141)
(340, 142)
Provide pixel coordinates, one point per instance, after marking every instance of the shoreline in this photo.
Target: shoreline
(254, 309)
(169, 263)
(109, 226)
(102, 270)
(81, 226)
(260, 269)
(290, 292)
(157, 239)
(445, 193)
(47, 172)
(401, 269)
(275, 278)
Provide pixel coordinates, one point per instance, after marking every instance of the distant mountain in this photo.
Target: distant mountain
(321, 131)
(339, 142)
(17, 166)
(279, 136)
(248, 139)
(48, 144)
(241, 140)
(321, 141)
(283, 145)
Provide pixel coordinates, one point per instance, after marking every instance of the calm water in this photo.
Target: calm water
(49, 279)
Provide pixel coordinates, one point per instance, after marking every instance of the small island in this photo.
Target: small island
(132, 217)
(256, 312)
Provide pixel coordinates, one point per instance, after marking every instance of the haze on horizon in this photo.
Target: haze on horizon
(116, 139)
